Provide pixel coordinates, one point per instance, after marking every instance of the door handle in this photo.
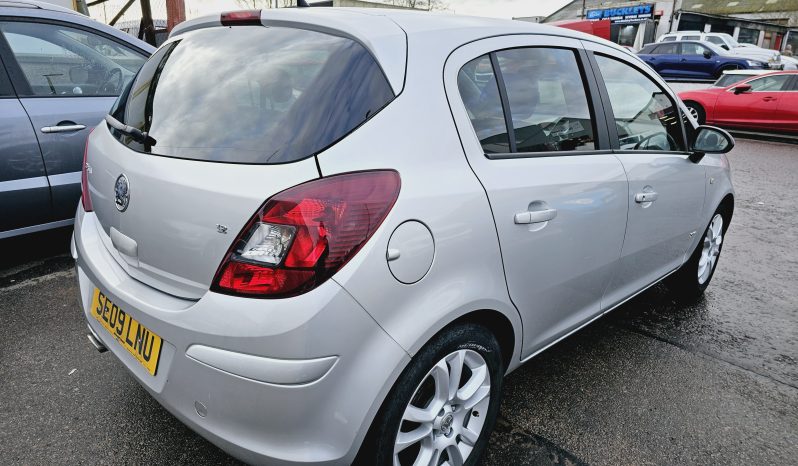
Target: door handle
(538, 216)
(646, 197)
(768, 99)
(62, 129)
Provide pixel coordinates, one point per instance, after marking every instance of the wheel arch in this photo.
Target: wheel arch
(726, 207)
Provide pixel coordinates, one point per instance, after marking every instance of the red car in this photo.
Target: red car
(766, 103)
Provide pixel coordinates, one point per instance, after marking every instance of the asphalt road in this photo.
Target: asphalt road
(655, 382)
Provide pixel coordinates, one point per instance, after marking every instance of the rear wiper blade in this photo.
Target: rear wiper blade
(135, 133)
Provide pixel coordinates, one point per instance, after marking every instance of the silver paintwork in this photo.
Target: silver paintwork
(541, 243)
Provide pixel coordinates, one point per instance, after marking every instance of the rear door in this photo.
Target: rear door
(666, 189)
(24, 192)
(557, 193)
(68, 78)
(757, 108)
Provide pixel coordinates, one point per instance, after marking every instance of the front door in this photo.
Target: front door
(666, 189)
(24, 192)
(557, 193)
(694, 61)
(754, 109)
(67, 78)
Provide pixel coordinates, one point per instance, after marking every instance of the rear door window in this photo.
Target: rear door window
(547, 100)
(252, 95)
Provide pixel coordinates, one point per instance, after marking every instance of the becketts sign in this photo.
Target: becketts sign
(626, 14)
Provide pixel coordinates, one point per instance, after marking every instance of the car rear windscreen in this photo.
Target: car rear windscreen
(259, 95)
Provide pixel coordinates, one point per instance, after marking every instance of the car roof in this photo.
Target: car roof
(385, 32)
(35, 5)
(47, 11)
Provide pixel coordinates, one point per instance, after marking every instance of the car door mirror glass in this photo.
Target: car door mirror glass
(712, 140)
(742, 88)
(78, 75)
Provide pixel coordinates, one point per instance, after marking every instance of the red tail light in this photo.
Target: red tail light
(300, 237)
(241, 18)
(85, 197)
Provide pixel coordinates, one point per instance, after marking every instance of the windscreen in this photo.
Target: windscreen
(251, 94)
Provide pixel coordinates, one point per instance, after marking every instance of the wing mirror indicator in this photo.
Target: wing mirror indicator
(711, 140)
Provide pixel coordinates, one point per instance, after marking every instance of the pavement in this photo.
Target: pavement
(654, 382)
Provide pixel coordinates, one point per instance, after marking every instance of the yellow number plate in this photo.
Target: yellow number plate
(137, 339)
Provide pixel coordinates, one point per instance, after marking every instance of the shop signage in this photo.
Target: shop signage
(626, 14)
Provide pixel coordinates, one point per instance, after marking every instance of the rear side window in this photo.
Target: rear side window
(691, 38)
(252, 95)
(480, 92)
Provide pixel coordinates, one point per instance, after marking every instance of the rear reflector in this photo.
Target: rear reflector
(300, 237)
(85, 197)
(241, 18)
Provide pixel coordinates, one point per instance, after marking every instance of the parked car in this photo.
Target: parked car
(60, 72)
(766, 103)
(693, 60)
(730, 44)
(299, 270)
(730, 77)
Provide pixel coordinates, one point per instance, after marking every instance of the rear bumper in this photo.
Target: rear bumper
(293, 381)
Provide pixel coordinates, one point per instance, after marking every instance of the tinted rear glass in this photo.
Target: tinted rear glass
(252, 94)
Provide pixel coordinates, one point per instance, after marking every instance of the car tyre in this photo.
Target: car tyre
(690, 281)
(697, 111)
(424, 417)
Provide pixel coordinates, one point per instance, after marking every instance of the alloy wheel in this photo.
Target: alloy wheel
(709, 254)
(446, 414)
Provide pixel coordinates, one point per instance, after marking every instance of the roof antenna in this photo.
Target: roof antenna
(301, 4)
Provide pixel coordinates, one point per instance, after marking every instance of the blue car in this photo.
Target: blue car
(689, 59)
(60, 73)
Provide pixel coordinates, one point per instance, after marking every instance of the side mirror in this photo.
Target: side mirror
(707, 54)
(711, 140)
(725, 47)
(741, 89)
(78, 75)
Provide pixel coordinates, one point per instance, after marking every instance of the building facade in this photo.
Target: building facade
(767, 23)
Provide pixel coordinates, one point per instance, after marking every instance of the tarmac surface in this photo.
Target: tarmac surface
(654, 382)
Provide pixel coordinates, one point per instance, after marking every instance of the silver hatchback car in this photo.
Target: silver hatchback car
(325, 235)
